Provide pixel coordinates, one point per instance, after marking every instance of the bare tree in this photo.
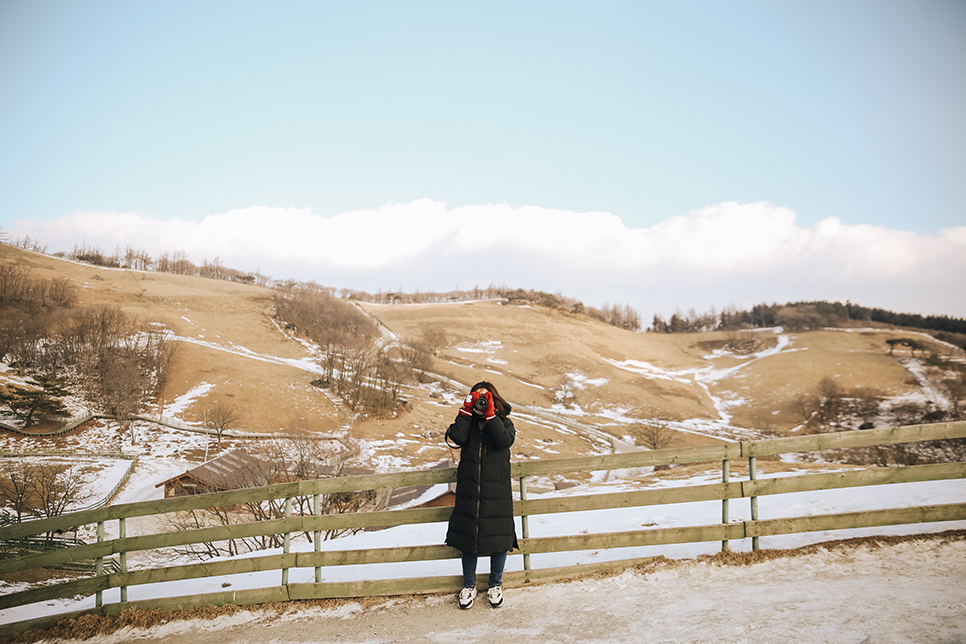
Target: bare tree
(221, 417)
(805, 406)
(119, 387)
(830, 399)
(434, 338)
(206, 518)
(301, 456)
(24, 336)
(656, 435)
(180, 264)
(955, 388)
(58, 488)
(126, 373)
(565, 392)
(417, 357)
(16, 488)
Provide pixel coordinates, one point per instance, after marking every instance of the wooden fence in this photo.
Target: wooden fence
(69, 427)
(726, 531)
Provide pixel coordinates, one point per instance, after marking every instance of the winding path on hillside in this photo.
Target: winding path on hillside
(932, 390)
(602, 441)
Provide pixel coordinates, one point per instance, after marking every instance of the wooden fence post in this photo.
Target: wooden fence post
(121, 534)
(99, 565)
(286, 544)
(317, 511)
(753, 475)
(524, 519)
(725, 467)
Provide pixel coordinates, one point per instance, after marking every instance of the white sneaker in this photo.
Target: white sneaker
(495, 595)
(467, 595)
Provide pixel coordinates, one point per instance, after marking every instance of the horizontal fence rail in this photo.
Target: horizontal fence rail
(290, 524)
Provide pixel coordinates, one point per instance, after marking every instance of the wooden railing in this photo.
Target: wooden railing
(726, 531)
(69, 427)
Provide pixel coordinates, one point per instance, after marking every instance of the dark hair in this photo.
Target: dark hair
(502, 407)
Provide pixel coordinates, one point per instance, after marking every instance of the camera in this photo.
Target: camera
(480, 403)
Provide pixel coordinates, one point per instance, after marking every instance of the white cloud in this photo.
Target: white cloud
(721, 254)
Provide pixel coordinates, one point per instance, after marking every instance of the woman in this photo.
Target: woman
(482, 519)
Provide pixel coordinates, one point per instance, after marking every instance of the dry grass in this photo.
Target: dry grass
(857, 361)
(228, 330)
(40, 575)
(875, 542)
(232, 344)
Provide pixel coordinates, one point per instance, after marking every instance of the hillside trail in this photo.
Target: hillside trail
(932, 389)
(386, 335)
(910, 591)
(603, 441)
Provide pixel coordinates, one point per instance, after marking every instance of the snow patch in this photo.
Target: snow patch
(183, 401)
(705, 376)
(486, 346)
(580, 381)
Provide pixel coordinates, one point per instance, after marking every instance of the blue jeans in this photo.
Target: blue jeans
(497, 564)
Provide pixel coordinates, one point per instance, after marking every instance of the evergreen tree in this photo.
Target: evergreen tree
(38, 402)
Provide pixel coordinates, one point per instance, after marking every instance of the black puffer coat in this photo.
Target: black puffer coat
(482, 519)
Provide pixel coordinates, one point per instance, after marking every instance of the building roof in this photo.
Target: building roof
(238, 469)
(229, 471)
(415, 495)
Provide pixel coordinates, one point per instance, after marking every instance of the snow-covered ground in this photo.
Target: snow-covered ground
(908, 592)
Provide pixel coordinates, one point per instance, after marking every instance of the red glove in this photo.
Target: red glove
(490, 410)
(467, 409)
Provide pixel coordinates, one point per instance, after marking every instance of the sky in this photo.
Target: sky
(665, 155)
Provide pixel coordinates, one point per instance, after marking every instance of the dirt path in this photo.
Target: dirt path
(913, 591)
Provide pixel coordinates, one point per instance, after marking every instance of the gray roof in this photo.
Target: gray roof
(238, 469)
(403, 495)
(233, 469)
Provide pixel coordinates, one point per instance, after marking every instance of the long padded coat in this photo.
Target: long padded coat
(482, 519)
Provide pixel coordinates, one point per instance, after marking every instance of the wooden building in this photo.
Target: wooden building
(424, 496)
(230, 471)
(237, 469)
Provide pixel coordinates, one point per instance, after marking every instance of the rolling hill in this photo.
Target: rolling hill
(578, 385)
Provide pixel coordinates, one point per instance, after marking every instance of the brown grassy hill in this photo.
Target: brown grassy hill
(537, 354)
(574, 381)
(225, 337)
